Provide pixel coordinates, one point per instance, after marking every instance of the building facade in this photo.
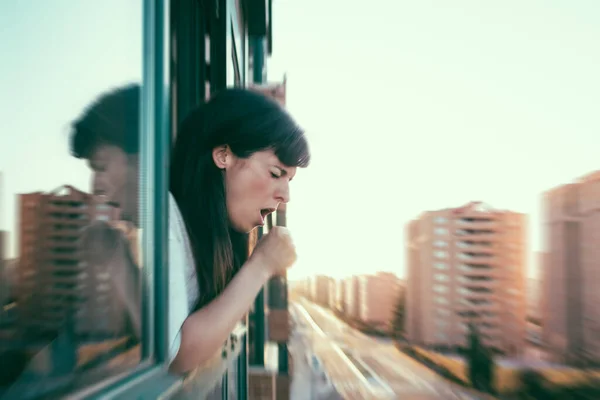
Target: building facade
(571, 271)
(378, 295)
(351, 302)
(54, 278)
(467, 264)
(320, 288)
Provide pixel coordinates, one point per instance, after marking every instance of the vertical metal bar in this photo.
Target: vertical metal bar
(270, 27)
(281, 301)
(258, 58)
(225, 386)
(155, 139)
(161, 176)
(189, 68)
(218, 45)
(257, 45)
(242, 373)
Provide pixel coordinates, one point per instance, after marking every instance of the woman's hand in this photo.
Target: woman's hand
(272, 255)
(275, 252)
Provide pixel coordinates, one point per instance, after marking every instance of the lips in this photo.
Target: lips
(265, 212)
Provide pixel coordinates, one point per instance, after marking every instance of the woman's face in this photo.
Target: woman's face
(254, 186)
(115, 176)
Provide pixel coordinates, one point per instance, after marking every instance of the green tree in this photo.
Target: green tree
(399, 315)
(480, 361)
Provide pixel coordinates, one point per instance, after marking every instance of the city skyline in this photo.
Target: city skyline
(473, 90)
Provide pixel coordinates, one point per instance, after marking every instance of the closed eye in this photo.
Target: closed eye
(278, 172)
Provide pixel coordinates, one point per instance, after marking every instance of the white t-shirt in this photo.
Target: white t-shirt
(183, 294)
(183, 285)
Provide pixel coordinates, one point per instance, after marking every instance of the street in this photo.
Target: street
(361, 367)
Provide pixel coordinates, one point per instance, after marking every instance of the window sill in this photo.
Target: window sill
(148, 382)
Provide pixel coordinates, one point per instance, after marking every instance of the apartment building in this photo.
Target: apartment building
(320, 287)
(340, 294)
(53, 278)
(4, 281)
(351, 301)
(467, 264)
(571, 271)
(333, 294)
(378, 296)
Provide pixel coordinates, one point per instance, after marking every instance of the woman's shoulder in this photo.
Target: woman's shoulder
(181, 260)
(176, 227)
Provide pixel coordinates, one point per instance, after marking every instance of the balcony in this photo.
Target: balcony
(66, 219)
(475, 234)
(469, 255)
(477, 305)
(478, 222)
(67, 207)
(485, 281)
(476, 293)
(477, 246)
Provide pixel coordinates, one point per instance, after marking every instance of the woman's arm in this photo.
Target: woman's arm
(204, 331)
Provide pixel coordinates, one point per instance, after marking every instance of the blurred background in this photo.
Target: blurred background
(446, 229)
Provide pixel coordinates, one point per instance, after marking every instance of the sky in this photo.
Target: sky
(408, 107)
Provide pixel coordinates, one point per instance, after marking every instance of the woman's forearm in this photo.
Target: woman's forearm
(204, 331)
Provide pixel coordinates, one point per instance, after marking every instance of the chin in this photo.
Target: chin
(243, 229)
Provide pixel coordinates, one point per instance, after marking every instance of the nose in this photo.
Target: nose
(98, 188)
(283, 192)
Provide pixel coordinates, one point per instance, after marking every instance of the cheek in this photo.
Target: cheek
(261, 188)
(117, 178)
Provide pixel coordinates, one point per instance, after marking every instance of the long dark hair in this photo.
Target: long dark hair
(247, 122)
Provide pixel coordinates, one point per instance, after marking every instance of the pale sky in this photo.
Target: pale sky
(409, 106)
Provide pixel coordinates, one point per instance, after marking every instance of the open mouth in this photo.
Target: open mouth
(265, 212)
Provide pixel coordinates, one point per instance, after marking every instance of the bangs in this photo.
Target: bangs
(293, 150)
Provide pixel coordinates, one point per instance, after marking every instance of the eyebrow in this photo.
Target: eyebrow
(93, 162)
(283, 171)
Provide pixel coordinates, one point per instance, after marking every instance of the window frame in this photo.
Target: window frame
(150, 377)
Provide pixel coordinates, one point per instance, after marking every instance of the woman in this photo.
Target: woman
(232, 163)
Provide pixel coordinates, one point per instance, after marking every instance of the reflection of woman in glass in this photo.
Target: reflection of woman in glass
(107, 251)
(231, 166)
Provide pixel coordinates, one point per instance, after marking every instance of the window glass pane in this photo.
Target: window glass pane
(70, 268)
(441, 231)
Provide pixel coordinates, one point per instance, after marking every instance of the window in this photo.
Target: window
(440, 300)
(441, 277)
(440, 288)
(58, 286)
(440, 220)
(126, 356)
(440, 231)
(440, 254)
(102, 207)
(440, 265)
(464, 291)
(440, 243)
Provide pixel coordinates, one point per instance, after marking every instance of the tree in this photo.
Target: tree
(399, 315)
(480, 361)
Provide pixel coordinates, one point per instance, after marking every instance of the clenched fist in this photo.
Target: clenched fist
(275, 251)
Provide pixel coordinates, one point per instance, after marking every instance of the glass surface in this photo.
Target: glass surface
(70, 266)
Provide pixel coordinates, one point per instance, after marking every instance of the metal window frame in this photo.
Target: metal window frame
(150, 377)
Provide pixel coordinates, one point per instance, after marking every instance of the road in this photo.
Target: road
(361, 367)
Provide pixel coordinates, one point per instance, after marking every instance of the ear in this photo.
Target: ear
(222, 156)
